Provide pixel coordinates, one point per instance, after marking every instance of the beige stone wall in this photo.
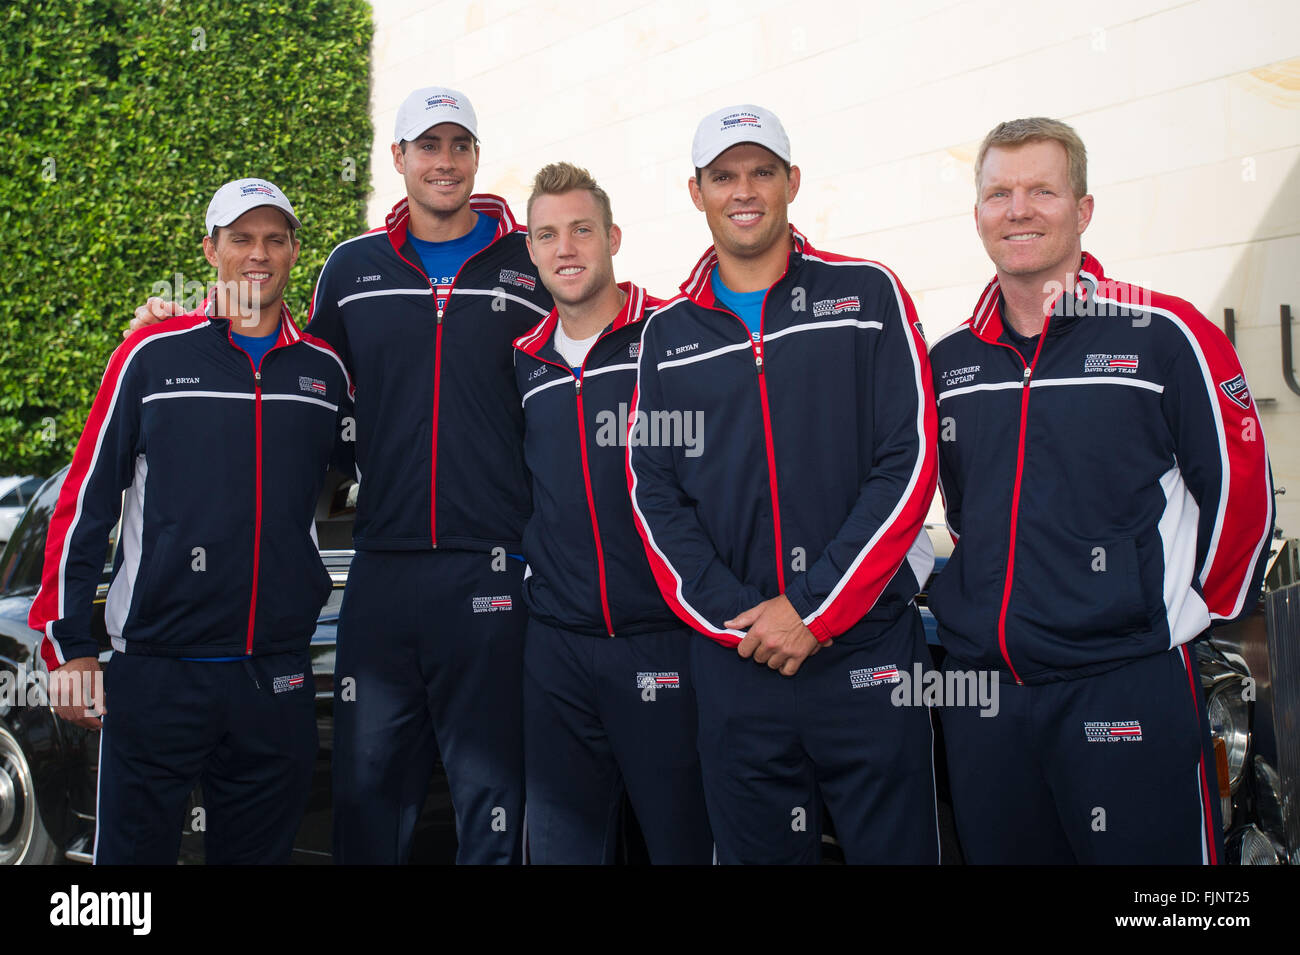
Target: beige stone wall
(1191, 113)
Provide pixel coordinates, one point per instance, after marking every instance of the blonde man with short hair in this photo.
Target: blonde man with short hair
(1106, 482)
(609, 698)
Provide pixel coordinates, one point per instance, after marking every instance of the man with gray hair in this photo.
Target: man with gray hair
(1106, 482)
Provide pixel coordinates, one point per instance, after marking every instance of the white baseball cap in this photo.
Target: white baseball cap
(730, 125)
(235, 198)
(430, 106)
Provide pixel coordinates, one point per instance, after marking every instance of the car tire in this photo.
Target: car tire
(24, 839)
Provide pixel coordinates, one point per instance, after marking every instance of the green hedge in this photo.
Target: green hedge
(118, 120)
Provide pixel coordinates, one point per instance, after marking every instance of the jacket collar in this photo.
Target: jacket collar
(288, 327)
(699, 289)
(633, 311)
(484, 203)
(986, 321)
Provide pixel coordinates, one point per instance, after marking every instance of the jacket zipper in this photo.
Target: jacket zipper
(1015, 499)
(257, 519)
(756, 346)
(437, 378)
(591, 503)
(586, 478)
(771, 457)
(257, 493)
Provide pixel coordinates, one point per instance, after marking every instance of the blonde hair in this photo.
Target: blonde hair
(1038, 129)
(561, 177)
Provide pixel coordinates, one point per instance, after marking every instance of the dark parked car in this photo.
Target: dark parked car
(48, 767)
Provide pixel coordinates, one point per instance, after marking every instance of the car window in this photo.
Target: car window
(27, 490)
(20, 567)
(12, 499)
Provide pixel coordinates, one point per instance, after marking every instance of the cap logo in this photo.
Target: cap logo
(442, 100)
(256, 190)
(740, 119)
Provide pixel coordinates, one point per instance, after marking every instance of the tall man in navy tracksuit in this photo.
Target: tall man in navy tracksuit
(609, 701)
(424, 311)
(798, 520)
(1106, 482)
(211, 436)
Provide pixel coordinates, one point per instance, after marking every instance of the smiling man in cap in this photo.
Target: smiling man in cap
(212, 445)
(794, 543)
(424, 311)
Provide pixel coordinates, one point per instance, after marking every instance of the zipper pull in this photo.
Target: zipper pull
(1024, 381)
(439, 316)
(257, 377)
(577, 383)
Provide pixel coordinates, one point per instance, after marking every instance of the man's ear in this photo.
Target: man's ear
(615, 239)
(1085, 213)
(399, 162)
(694, 186)
(528, 240)
(793, 189)
(297, 247)
(210, 251)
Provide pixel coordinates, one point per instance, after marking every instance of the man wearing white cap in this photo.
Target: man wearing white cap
(794, 540)
(211, 437)
(425, 311)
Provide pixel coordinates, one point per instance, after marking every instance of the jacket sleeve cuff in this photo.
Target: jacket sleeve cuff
(819, 630)
(802, 601)
(73, 648)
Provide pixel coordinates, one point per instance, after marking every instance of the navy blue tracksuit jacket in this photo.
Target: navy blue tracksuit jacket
(581, 578)
(798, 486)
(217, 554)
(1109, 500)
(418, 410)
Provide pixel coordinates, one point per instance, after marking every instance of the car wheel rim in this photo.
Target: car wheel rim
(17, 812)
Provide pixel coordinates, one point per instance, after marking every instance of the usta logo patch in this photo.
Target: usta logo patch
(1236, 390)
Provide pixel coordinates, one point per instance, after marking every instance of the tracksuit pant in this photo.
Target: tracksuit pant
(430, 660)
(773, 748)
(245, 730)
(1115, 768)
(603, 715)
